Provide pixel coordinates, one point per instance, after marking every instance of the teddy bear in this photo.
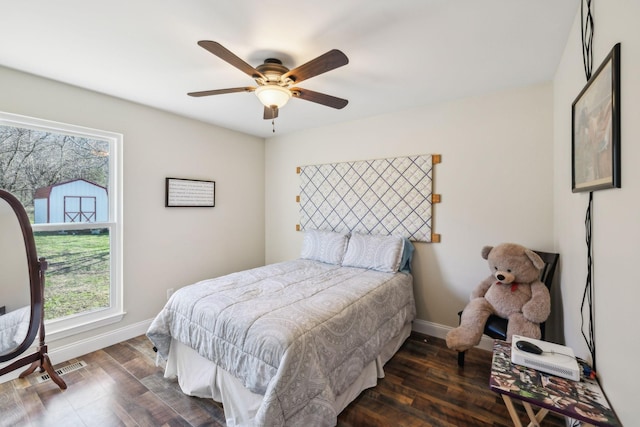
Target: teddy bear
(513, 291)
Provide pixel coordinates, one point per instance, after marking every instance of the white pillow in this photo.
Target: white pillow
(381, 253)
(324, 246)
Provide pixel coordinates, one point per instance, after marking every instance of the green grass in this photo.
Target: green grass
(77, 279)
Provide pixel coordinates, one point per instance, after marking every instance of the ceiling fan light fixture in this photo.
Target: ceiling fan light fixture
(273, 95)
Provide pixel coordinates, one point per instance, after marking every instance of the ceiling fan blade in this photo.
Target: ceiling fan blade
(320, 98)
(327, 62)
(222, 91)
(270, 113)
(226, 55)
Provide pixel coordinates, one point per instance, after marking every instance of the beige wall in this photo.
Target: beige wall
(496, 182)
(616, 224)
(163, 247)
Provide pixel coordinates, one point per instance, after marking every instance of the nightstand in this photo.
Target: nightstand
(582, 400)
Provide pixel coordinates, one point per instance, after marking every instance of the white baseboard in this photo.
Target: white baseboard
(80, 348)
(440, 331)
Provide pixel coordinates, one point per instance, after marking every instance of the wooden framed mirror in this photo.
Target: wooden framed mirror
(21, 293)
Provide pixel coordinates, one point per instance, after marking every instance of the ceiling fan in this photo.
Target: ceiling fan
(275, 82)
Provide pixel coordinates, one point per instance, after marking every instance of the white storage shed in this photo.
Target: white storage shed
(78, 200)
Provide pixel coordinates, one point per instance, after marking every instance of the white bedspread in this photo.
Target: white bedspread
(298, 332)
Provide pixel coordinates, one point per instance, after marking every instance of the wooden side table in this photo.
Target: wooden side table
(581, 400)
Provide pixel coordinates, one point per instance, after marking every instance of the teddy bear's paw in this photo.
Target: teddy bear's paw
(535, 313)
(457, 340)
(518, 325)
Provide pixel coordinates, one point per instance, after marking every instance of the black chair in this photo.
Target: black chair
(496, 327)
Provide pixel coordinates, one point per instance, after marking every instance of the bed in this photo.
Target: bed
(292, 343)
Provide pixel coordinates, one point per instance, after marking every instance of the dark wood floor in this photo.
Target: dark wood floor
(121, 386)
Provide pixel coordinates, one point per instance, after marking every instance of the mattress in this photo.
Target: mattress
(297, 333)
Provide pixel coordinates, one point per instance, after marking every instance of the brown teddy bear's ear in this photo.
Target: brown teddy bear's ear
(485, 251)
(535, 259)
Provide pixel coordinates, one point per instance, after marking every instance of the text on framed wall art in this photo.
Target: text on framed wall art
(190, 193)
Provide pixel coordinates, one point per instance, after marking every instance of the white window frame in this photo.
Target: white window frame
(71, 325)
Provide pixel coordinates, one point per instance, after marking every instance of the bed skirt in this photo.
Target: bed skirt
(200, 377)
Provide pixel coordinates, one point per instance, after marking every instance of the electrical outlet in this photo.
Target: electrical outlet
(169, 293)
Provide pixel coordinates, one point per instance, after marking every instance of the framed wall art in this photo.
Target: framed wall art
(190, 193)
(595, 139)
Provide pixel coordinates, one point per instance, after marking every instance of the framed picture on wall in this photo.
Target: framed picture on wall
(595, 139)
(182, 192)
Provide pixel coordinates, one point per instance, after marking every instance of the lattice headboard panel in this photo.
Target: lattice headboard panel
(386, 196)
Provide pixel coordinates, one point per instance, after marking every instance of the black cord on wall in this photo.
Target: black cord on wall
(587, 296)
(587, 38)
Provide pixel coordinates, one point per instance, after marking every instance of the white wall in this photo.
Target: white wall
(163, 247)
(616, 227)
(496, 182)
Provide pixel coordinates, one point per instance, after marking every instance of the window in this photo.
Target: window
(69, 180)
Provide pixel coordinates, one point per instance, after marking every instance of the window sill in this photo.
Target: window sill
(56, 331)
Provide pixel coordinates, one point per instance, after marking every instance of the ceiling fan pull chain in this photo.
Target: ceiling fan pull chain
(273, 119)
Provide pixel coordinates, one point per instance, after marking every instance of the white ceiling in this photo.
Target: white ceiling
(402, 53)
